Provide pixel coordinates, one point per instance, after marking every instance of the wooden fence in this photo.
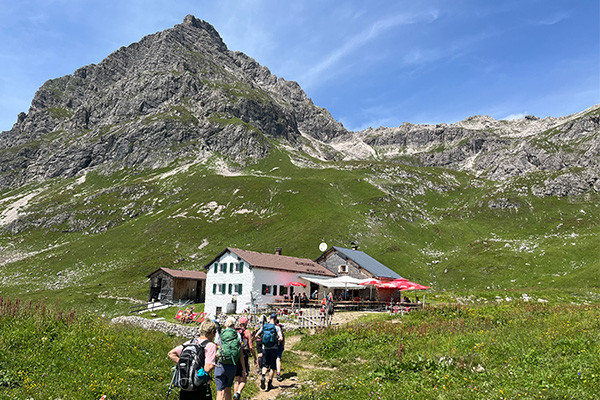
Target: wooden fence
(313, 318)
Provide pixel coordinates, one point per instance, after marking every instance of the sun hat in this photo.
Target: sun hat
(243, 320)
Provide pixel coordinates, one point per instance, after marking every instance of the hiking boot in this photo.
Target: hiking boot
(270, 386)
(279, 378)
(236, 396)
(262, 382)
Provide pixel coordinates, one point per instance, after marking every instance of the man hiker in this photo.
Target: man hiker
(247, 350)
(208, 330)
(271, 337)
(229, 355)
(280, 348)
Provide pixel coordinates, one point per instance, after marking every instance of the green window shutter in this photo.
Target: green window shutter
(274, 290)
(224, 267)
(241, 267)
(240, 288)
(231, 267)
(216, 267)
(214, 288)
(230, 288)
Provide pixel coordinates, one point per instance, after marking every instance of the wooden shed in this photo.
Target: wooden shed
(176, 284)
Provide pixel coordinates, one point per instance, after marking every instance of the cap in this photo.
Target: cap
(243, 320)
(274, 315)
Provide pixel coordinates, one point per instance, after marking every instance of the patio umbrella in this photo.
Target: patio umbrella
(371, 282)
(402, 285)
(416, 286)
(295, 284)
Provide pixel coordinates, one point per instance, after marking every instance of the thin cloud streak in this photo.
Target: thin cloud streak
(319, 72)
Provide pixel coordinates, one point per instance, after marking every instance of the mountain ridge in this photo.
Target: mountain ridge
(183, 93)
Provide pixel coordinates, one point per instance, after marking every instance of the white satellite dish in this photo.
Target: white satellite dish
(323, 246)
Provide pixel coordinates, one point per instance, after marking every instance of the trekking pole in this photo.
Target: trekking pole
(172, 382)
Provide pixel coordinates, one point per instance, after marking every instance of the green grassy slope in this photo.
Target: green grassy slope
(92, 243)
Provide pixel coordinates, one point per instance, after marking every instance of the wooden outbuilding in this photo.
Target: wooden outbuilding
(176, 284)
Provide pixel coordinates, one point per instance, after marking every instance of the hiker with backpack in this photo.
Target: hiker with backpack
(271, 337)
(229, 355)
(280, 348)
(259, 346)
(247, 350)
(195, 360)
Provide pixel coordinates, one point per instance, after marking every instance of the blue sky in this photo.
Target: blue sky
(370, 63)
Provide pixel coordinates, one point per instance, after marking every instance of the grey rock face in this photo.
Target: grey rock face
(172, 95)
(568, 147)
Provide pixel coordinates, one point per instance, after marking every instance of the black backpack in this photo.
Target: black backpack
(190, 362)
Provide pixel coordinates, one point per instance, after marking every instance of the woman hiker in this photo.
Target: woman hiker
(208, 330)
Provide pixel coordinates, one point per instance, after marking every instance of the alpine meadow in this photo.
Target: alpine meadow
(174, 148)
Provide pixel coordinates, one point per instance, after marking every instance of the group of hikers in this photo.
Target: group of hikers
(226, 353)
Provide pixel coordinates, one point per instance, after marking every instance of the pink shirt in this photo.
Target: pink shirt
(210, 351)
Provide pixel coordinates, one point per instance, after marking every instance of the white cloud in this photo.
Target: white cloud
(514, 116)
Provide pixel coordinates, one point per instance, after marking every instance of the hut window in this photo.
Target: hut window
(266, 289)
(237, 288)
(223, 267)
(283, 291)
(221, 288)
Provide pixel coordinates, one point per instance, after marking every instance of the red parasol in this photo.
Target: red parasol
(295, 284)
(393, 285)
(403, 284)
(371, 282)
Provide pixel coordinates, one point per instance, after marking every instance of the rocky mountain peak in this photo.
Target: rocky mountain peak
(176, 94)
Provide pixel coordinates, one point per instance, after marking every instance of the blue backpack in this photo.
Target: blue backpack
(269, 338)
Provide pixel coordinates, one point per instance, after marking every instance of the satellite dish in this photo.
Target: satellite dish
(323, 246)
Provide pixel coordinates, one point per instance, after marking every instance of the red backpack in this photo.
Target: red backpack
(245, 345)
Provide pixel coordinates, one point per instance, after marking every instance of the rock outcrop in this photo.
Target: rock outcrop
(566, 149)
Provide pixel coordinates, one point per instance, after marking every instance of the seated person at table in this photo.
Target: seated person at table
(303, 299)
(406, 299)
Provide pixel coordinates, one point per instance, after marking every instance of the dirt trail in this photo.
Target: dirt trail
(290, 381)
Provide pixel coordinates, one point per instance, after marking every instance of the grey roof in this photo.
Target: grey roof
(369, 263)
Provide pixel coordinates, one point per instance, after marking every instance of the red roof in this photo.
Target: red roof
(279, 262)
(178, 273)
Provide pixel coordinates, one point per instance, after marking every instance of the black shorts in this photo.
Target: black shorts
(259, 347)
(239, 371)
(269, 359)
